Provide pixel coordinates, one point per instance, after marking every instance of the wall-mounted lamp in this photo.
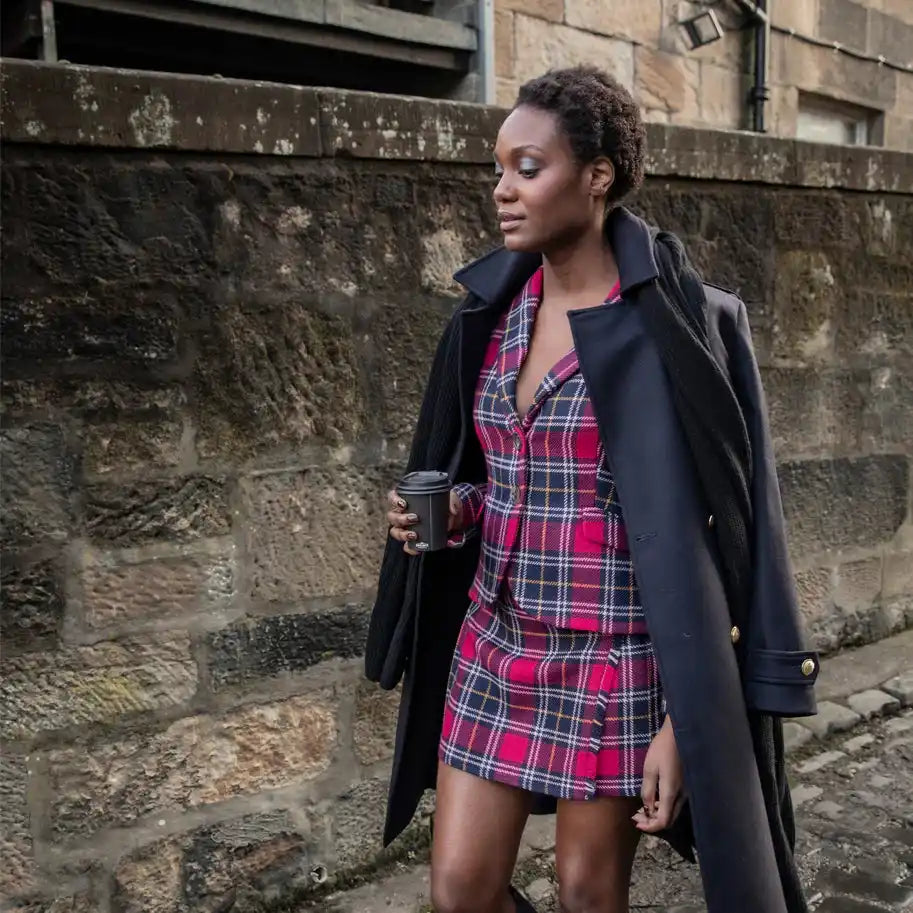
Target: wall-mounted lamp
(702, 29)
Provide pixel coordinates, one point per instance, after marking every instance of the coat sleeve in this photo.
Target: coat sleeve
(779, 672)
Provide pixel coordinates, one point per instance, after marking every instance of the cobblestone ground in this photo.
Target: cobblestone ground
(854, 796)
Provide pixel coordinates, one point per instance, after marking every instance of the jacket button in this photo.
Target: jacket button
(711, 522)
(514, 493)
(518, 442)
(735, 634)
(808, 666)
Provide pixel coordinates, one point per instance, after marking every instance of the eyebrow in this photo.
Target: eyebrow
(524, 148)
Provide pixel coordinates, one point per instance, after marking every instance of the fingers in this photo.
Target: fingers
(649, 788)
(400, 521)
(671, 800)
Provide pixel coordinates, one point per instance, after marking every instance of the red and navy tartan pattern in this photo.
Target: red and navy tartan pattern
(563, 713)
(553, 536)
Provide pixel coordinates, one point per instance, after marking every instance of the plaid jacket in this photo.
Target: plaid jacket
(553, 535)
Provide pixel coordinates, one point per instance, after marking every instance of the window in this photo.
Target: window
(826, 120)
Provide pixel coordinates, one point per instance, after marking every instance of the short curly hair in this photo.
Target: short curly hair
(599, 117)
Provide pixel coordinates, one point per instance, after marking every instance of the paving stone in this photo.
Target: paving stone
(804, 793)
(858, 742)
(872, 703)
(865, 886)
(901, 687)
(898, 725)
(795, 735)
(540, 890)
(819, 761)
(877, 781)
(828, 809)
(831, 718)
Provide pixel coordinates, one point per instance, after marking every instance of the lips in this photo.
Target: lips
(508, 221)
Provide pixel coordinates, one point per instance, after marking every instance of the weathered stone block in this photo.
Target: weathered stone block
(722, 98)
(374, 727)
(102, 683)
(795, 735)
(358, 819)
(265, 647)
(839, 503)
(872, 703)
(831, 717)
(31, 603)
(195, 761)
(901, 687)
(876, 321)
(814, 410)
(815, 588)
(635, 20)
(898, 574)
(504, 43)
(888, 417)
(398, 359)
(133, 591)
(552, 10)
(264, 853)
(890, 36)
(542, 46)
(18, 872)
(172, 510)
(317, 532)
(842, 21)
(735, 247)
(667, 82)
(806, 295)
(858, 584)
(98, 399)
(89, 328)
(818, 220)
(801, 17)
(276, 378)
(131, 445)
(37, 472)
(148, 220)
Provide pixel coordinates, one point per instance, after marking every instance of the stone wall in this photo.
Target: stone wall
(640, 42)
(212, 362)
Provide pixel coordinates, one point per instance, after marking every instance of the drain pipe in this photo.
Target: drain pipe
(485, 55)
(760, 91)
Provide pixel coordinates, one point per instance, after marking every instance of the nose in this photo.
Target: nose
(504, 191)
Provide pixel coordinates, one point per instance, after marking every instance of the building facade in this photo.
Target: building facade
(825, 79)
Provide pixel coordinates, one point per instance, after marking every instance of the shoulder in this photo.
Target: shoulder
(722, 304)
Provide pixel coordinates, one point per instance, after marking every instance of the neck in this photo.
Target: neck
(580, 270)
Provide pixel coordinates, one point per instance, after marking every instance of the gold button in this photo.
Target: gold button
(735, 634)
(710, 522)
(808, 666)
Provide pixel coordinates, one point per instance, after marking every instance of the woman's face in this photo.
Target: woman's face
(546, 200)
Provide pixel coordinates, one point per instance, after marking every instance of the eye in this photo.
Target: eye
(529, 167)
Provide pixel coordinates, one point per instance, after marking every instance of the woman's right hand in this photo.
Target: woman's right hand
(401, 521)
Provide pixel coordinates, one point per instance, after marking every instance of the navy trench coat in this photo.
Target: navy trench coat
(717, 669)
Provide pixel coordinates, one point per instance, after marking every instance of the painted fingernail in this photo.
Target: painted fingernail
(412, 518)
(400, 503)
(411, 536)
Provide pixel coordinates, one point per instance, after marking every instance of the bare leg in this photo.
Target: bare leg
(595, 846)
(477, 830)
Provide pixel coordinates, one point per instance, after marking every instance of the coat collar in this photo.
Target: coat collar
(500, 274)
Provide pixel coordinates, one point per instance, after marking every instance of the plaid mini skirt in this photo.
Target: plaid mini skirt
(559, 712)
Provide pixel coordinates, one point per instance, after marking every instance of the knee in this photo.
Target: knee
(589, 892)
(456, 889)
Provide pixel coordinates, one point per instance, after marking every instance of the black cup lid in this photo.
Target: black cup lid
(425, 482)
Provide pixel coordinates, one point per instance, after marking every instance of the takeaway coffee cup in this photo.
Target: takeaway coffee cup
(428, 495)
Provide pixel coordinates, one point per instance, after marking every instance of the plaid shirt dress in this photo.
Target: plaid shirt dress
(554, 686)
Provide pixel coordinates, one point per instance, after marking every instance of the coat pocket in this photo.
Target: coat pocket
(605, 528)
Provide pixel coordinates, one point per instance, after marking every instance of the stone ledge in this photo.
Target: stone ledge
(71, 105)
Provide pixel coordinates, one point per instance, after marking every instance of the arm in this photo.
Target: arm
(779, 672)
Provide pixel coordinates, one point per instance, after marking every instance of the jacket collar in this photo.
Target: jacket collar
(500, 274)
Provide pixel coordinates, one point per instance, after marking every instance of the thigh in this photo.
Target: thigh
(477, 828)
(594, 848)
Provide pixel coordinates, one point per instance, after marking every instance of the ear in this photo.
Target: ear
(602, 176)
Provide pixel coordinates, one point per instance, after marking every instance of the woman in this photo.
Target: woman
(619, 649)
